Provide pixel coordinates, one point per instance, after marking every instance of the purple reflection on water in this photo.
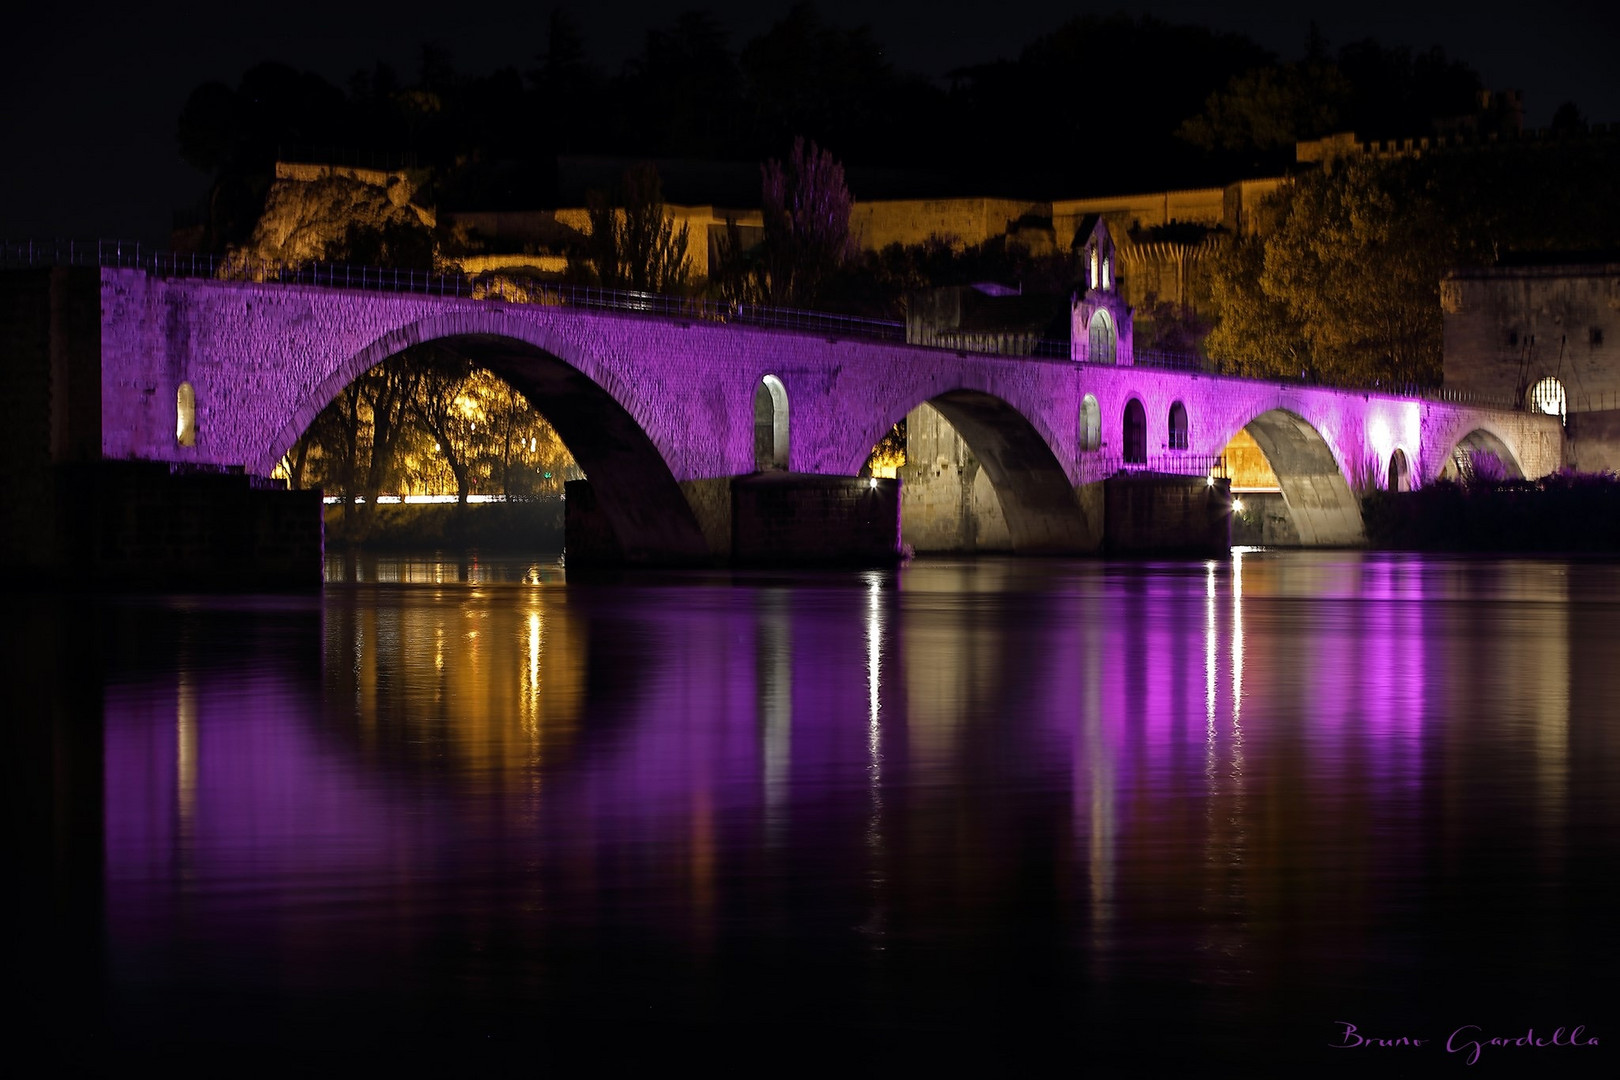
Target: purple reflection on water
(861, 803)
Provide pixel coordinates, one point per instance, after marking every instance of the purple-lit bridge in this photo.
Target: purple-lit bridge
(662, 411)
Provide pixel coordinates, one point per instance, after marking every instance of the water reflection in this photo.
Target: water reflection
(1259, 794)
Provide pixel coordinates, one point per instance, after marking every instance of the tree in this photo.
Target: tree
(1346, 288)
(683, 94)
(1270, 108)
(634, 243)
(438, 407)
(806, 210)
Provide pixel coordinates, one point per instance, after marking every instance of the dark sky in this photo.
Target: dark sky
(92, 89)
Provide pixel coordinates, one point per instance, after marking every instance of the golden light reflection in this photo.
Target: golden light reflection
(530, 691)
(877, 918)
(1237, 653)
(186, 752)
(507, 678)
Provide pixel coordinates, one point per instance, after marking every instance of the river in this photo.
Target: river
(1121, 818)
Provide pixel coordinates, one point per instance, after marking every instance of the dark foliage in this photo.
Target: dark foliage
(1565, 512)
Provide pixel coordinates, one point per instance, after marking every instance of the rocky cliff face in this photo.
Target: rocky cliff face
(311, 208)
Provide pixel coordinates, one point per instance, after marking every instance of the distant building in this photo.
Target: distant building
(1545, 335)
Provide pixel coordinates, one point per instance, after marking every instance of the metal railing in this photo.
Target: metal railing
(488, 286)
(1175, 463)
(1169, 361)
(1602, 401)
(135, 256)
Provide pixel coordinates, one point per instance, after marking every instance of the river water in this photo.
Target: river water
(1233, 816)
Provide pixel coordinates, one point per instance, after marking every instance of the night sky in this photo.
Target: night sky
(92, 90)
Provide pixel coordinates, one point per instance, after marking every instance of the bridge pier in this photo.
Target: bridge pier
(1163, 514)
(758, 519)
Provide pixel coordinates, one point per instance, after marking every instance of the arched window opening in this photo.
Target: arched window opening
(1547, 396)
(770, 424)
(1090, 424)
(1178, 426)
(1135, 452)
(1100, 338)
(1092, 275)
(1107, 273)
(185, 409)
(1400, 473)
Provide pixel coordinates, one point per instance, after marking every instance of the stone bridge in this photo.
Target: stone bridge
(663, 413)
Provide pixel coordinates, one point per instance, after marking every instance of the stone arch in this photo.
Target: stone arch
(770, 424)
(1178, 437)
(1472, 456)
(635, 490)
(185, 411)
(1133, 450)
(1035, 495)
(1399, 476)
(1090, 423)
(1323, 510)
(1102, 339)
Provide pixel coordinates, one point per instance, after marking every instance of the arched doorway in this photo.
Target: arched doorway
(770, 424)
(1400, 473)
(1135, 448)
(1101, 338)
(1547, 396)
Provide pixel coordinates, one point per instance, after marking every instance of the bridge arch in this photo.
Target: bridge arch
(1478, 452)
(1323, 510)
(1032, 488)
(635, 490)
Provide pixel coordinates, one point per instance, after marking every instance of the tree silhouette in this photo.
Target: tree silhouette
(806, 208)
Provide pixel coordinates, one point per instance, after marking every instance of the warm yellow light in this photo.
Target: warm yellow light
(1237, 506)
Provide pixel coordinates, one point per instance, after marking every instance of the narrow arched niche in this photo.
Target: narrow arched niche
(1178, 427)
(1090, 424)
(185, 412)
(770, 424)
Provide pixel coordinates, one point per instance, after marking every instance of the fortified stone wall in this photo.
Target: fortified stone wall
(1594, 441)
(965, 222)
(1506, 328)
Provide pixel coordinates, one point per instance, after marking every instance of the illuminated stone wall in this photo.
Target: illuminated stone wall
(950, 503)
(651, 408)
(1507, 327)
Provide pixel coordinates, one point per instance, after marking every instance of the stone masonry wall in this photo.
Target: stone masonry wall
(1508, 327)
(264, 359)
